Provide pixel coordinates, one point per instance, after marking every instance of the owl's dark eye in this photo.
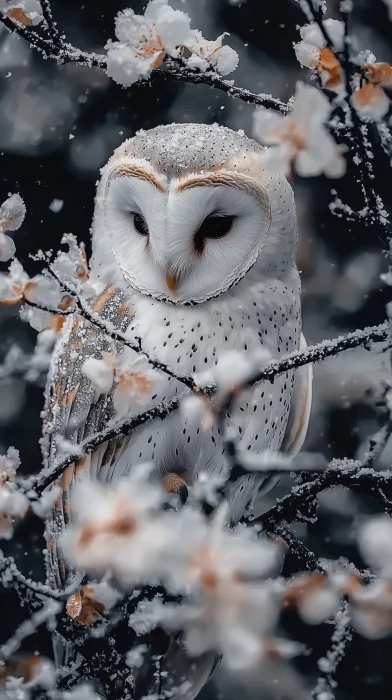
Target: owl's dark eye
(213, 227)
(140, 224)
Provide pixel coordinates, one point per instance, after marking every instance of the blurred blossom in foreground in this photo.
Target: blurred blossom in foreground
(13, 503)
(300, 139)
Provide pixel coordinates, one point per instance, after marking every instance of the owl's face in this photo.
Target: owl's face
(186, 235)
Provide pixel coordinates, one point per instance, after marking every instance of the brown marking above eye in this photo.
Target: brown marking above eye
(213, 227)
(135, 170)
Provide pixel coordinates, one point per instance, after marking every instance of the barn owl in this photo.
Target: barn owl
(194, 247)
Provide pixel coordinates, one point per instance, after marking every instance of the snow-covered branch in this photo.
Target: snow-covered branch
(56, 46)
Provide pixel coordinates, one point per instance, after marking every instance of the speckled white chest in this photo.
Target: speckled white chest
(190, 339)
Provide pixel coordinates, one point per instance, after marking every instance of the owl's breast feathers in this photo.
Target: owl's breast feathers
(190, 340)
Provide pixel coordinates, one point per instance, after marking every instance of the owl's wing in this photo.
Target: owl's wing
(74, 411)
(301, 401)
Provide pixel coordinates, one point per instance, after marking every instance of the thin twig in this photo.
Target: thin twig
(349, 473)
(51, 24)
(321, 351)
(39, 589)
(340, 639)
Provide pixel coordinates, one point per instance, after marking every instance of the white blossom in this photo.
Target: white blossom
(25, 12)
(13, 503)
(312, 34)
(100, 372)
(307, 54)
(226, 612)
(300, 137)
(44, 674)
(232, 370)
(172, 26)
(371, 609)
(7, 247)
(120, 528)
(105, 594)
(12, 213)
(143, 41)
(371, 102)
(71, 266)
(319, 604)
(43, 290)
(313, 53)
(37, 318)
(211, 54)
(134, 384)
(9, 464)
(12, 285)
(44, 505)
(375, 543)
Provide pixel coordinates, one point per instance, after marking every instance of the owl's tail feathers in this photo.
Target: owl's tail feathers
(179, 676)
(244, 490)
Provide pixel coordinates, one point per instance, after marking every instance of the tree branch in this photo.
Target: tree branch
(45, 479)
(63, 52)
(316, 353)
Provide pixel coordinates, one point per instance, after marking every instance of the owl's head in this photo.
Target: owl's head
(184, 212)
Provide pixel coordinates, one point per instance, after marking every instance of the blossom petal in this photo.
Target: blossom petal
(7, 248)
(12, 213)
(307, 54)
(268, 126)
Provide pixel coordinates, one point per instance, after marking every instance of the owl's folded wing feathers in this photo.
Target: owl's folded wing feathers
(74, 412)
(300, 406)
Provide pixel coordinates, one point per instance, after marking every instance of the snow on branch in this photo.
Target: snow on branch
(128, 61)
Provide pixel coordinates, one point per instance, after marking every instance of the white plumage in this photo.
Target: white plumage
(200, 241)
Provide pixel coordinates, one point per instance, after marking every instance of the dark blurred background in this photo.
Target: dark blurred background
(60, 124)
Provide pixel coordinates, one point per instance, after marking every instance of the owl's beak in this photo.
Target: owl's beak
(171, 281)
